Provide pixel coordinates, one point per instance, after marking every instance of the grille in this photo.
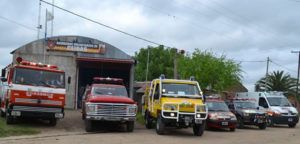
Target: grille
(37, 109)
(112, 110)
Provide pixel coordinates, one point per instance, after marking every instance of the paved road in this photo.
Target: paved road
(71, 130)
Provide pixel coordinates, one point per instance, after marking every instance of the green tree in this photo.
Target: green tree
(161, 61)
(209, 70)
(277, 81)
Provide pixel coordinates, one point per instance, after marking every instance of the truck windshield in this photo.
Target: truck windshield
(112, 91)
(217, 106)
(39, 78)
(187, 90)
(244, 105)
(278, 101)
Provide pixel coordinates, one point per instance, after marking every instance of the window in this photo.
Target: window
(262, 102)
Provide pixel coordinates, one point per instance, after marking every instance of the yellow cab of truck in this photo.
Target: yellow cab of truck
(175, 103)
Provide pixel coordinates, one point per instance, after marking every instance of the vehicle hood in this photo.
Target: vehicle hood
(252, 111)
(279, 109)
(111, 99)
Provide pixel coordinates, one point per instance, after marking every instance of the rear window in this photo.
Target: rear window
(111, 91)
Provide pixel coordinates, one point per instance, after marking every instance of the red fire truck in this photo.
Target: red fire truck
(107, 100)
(32, 89)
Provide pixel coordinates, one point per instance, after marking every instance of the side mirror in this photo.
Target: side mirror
(3, 79)
(257, 108)
(156, 96)
(69, 80)
(293, 105)
(3, 73)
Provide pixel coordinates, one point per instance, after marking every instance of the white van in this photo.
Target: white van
(275, 104)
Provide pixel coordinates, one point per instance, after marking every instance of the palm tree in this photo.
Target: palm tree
(277, 81)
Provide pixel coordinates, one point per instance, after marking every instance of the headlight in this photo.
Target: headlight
(132, 110)
(198, 115)
(246, 114)
(232, 117)
(91, 108)
(213, 117)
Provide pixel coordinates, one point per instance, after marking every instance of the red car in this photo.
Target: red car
(219, 116)
(107, 100)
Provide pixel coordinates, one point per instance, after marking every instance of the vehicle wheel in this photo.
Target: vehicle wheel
(88, 125)
(148, 121)
(270, 122)
(52, 122)
(232, 129)
(262, 126)
(198, 129)
(160, 125)
(9, 119)
(130, 126)
(240, 122)
(292, 125)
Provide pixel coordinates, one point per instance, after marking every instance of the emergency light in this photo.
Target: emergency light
(38, 64)
(108, 79)
(192, 78)
(162, 76)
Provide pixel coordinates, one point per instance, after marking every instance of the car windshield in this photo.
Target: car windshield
(278, 101)
(244, 105)
(217, 106)
(180, 90)
(39, 78)
(112, 91)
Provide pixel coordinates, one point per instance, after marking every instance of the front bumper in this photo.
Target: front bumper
(285, 119)
(110, 118)
(254, 119)
(36, 112)
(221, 123)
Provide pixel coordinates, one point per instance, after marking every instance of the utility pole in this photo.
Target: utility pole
(147, 65)
(39, 26)
(175, 64)
(53, 19)
(267, 73)
(297, 83)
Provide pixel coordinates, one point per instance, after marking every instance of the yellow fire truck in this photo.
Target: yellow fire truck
(175, 103)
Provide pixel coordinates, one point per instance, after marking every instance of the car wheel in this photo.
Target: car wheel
(292, 125)
(160, 125)
(198, 129)
(88, 125)
(262, 126)
(240, 122)
(148, 121)
(9, 119)
(232, 129)
(52, 122)
(130, 126)
(270, 122)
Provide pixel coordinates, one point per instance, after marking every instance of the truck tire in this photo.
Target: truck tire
(148, 121)
(88, 125)
(270, 122)
(262, 126)
(198, 129)
(52, 122)
(240, 122)
(130, 126)
(160, 125)
(9, 119)
(292, 125)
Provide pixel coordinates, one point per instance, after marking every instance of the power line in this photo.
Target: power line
(250, 61)
(19, 24)
(272, 61)
(107, 26)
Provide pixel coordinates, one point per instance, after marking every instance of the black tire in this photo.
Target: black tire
(160, 125)
(88, 125)
(52, 122)
(262, 126)
(148, 121)
(232, 129)
(270, 122)
(292, 125)
(9, 119)
(240, 122)
(198, 129)
(130, 126)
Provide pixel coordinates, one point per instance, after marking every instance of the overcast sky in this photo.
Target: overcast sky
(243, 30)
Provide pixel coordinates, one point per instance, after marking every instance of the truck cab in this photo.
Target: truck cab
(107, 100)
(175, 103)
(246, 113)
(274, 103)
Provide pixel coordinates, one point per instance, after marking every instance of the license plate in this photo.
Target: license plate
(197, 121)
(290, 119)
(224, 123)
(260, 121)
(187, 119)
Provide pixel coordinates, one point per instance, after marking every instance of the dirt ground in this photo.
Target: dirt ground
(71, 130)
